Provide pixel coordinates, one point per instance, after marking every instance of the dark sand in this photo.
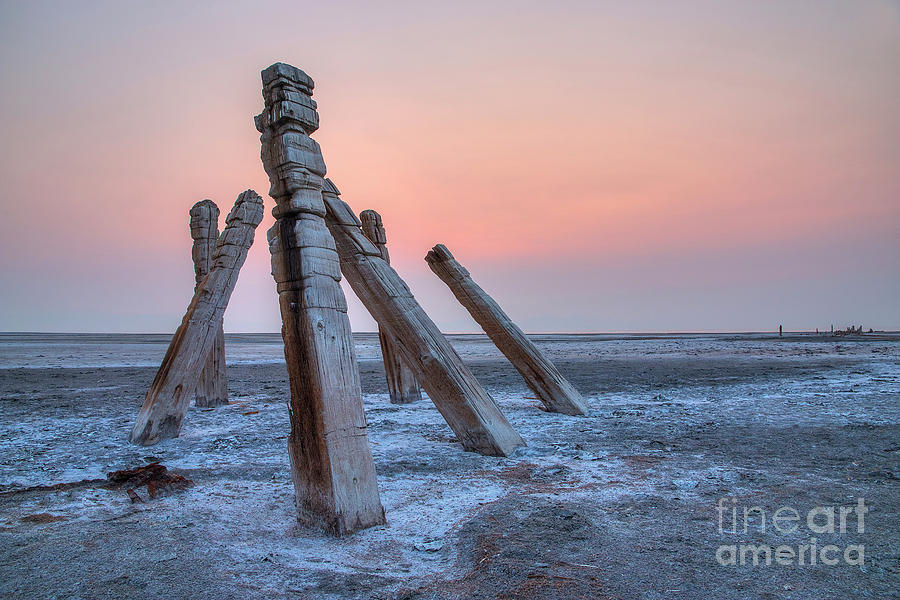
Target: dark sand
(619, 504)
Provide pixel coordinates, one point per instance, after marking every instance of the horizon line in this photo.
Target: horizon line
(615, 332)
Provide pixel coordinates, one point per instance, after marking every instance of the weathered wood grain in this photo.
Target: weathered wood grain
(544, 379)
(331, 462)
(469, 410)
(403, 387)
(212, 389)
(167, 400)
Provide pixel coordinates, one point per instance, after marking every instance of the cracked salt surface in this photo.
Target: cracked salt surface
(666, 422)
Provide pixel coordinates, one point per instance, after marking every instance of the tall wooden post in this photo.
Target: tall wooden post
(164, 407)
(331, 462)
(544, 379)
(403, 387)
(212, 389)
(471, 413)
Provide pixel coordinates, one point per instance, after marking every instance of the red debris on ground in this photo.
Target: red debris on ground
(42, 518)
(155, 476)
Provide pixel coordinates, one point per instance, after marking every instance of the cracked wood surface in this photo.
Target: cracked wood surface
(544, 379)
(212, 389)
(541, 375)
(167, 400)
(403, 387)
(469, 410)
(331, 461)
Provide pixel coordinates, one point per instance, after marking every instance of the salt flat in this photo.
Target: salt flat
(620, 504)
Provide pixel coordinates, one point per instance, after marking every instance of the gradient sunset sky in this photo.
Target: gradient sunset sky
(597, 166)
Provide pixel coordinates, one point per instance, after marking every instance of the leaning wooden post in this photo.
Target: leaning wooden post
(212, 389)
(331, 462)
(471, 413)
(164, 407)
(402, 384)
(540, 374)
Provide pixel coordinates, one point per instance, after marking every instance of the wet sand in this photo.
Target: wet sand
(618, 504)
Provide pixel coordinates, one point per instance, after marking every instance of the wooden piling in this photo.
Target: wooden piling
(167, 400)
(212, 389)
(403, 387)
(469, 410)
(541, 375)
(331, 462)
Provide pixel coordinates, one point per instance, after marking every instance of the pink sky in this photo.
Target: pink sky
(597, 166)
